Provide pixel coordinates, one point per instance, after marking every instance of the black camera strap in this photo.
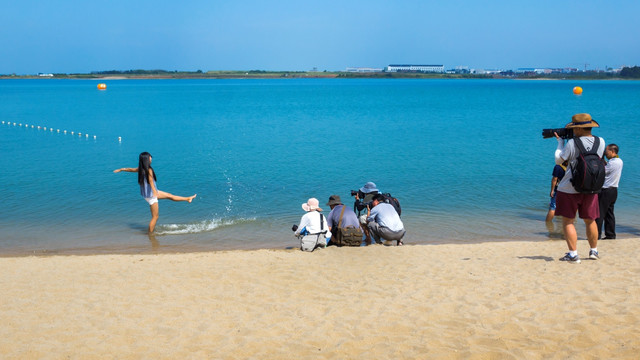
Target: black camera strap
(322, 230)
(582, 150)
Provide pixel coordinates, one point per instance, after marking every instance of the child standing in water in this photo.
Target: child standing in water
(149, 189)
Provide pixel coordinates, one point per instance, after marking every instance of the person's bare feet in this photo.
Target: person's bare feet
(192, 197)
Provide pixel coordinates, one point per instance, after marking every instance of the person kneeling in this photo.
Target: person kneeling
(384, 222)
(313, 227)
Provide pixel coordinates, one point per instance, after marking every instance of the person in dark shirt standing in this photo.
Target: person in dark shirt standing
(558, 173)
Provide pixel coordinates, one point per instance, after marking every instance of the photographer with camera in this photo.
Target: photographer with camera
(384, 222)
(343, 224)
(313, 227)
(578, 189)
(364, 196)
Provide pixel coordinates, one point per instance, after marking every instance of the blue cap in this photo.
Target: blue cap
(369, 188)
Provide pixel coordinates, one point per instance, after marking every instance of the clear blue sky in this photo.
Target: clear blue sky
(69, 36)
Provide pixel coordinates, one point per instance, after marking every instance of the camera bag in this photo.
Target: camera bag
(588, 171)
(348, 236)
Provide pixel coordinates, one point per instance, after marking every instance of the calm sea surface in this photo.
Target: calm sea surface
(465, 158)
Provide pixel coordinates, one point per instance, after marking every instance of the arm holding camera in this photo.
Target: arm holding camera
(359, 204)
(558, 158)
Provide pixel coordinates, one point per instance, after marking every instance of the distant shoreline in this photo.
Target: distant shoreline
(254, 74)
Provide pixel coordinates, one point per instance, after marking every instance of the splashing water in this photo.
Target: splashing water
(199, 227)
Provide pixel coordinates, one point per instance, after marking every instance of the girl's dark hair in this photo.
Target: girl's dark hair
(144, 164)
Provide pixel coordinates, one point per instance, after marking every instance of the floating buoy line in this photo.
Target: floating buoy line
(50, 129)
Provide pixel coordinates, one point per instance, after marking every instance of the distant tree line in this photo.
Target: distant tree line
(630, 72)
(139, 72)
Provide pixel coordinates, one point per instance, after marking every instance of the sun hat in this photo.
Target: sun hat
(369, 188)
(334, 200)
(583, 121)
(311, 204)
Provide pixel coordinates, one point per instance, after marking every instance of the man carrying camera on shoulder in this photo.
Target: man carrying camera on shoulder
(578, 190)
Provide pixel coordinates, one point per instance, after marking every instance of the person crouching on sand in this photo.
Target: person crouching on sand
(149, 189)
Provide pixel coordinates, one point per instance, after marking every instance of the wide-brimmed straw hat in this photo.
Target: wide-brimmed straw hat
(583, 121)
(369, 188)
(311, 204)
(334, 200)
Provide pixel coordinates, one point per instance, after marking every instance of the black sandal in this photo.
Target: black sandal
(400, 243)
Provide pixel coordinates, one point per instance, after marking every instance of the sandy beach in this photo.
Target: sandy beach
(511, 300)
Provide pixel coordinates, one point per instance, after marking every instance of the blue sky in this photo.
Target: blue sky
(69, 36)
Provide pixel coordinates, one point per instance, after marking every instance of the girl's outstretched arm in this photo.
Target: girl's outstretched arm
(126, 169)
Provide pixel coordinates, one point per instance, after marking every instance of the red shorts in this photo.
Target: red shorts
(585, 204)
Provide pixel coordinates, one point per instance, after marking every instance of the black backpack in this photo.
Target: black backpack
(588, 170)
(393, 201)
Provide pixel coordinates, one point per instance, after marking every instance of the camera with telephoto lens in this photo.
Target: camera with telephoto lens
(359, 204)
(564, 133)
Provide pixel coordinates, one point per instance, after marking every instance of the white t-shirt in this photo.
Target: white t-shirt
(570, 153)
(613, 170)
(311, 221)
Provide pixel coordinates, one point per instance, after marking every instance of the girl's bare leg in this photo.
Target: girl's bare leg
(166, 195)
(154, 217)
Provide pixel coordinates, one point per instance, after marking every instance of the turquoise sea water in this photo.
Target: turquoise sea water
(465, 157)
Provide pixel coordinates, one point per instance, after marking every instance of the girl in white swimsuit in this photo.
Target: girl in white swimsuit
(149, 189)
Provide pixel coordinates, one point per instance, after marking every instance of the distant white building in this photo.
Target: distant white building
(530, 70)
(416, 68)
(45, 75)
(363, 70)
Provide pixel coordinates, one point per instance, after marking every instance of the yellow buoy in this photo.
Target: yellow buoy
(577, 90)
(102, 86)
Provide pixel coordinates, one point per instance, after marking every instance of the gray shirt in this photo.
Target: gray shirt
(570, 153)
(348, 219)
(385, 215)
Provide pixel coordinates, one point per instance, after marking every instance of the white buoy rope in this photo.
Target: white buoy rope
(50, 129)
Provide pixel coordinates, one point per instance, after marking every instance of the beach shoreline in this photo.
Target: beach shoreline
(483, 300)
